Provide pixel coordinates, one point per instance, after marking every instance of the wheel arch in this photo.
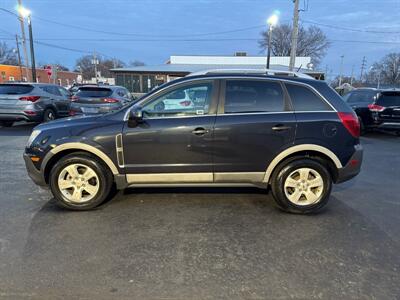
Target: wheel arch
(56, 153)
(305, 150)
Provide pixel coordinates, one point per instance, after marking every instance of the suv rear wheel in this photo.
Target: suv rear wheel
(49, 115)
(79, 181)
(301, 186)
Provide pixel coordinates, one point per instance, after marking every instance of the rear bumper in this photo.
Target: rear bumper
(388, 126)
(21, 117)
(353, 167)
(34, 173)
(77, 109)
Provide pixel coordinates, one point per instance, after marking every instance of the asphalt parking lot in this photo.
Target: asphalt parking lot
(201, 243)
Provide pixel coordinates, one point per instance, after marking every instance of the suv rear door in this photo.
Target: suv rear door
(254, 123)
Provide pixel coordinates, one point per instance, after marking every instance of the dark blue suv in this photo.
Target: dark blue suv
(292, 134)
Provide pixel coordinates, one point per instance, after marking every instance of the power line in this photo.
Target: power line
(350, 29)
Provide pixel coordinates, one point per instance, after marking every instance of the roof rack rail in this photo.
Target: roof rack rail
(252, 71)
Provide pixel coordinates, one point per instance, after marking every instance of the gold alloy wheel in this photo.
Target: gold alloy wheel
(304, 186)
(78, 183)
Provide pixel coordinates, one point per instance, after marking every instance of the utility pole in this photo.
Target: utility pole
(32, 49)
(21, 21)
(295, 34)
(95, 63)
(352, 75)
(19, 58)
(363, 65)
(341, 70)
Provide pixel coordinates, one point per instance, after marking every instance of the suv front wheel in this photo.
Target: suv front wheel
(301, 186)
(80, 181)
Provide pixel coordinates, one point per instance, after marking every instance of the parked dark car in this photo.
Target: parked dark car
(292, 134)
(99, 99)
(385, 110)
(359, 100)
(36, 102)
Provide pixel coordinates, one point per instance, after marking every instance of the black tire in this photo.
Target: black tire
(103, 173)
(6, 123)
(49, 115)
(362, 126)
(282, 172)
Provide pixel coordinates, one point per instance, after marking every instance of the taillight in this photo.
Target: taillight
(30, 98)
(74, 98)
(185, 103)
(110, 100)
(376, 107)
(72, 113)
(350, 121)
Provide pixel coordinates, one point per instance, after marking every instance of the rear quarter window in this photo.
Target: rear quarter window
(15, 89)
(304, 99)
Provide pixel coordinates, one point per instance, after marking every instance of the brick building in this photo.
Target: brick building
(13, 73)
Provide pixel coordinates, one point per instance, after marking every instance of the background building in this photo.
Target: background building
(142, 79)
(15, 73)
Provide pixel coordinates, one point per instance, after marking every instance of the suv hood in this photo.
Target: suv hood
(68, 122)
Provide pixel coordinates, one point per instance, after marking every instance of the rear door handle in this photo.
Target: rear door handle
(280, 127)
(200, 131)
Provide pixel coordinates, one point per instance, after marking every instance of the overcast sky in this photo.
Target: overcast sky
(131, 23)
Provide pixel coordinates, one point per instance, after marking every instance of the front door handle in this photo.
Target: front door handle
(200, 131)
(280, 127)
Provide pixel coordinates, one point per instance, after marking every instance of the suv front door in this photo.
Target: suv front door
(175, 135)
(254, 123)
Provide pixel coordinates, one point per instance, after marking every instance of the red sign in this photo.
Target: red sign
(49, 70)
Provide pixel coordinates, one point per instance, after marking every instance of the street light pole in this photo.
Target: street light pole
(21, 20)
(32, 49)
(272, 21)
(269, 46)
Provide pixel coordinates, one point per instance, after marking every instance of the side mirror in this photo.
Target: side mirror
(136, 115)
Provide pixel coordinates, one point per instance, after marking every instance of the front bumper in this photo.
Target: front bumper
(34, 173)
(353, 167)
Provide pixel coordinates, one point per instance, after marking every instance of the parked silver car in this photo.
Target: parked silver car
(99, 99)
(35, 102)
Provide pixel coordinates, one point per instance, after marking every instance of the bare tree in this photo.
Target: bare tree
(136, 63)
(312, 42)
(7, 55)
(387, 70)
(84, 65)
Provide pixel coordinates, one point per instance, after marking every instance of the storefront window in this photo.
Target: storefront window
(148, 83)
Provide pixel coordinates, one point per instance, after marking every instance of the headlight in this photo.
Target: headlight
(33, 136)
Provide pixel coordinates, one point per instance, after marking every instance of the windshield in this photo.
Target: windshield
(94, 92)
(360, 96)
(15, 89)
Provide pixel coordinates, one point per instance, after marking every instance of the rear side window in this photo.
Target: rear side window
(51, 90)
(304, 99)
(94, 92)
(389, 99)
(15, 89)
(247, 96)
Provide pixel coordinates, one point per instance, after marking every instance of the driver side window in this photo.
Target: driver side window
(183, 101)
